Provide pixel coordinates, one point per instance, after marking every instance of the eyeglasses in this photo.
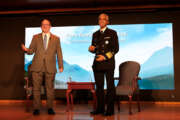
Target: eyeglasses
(45, 24)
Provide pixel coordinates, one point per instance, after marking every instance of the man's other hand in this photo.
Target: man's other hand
(100, 58)
(24, 48)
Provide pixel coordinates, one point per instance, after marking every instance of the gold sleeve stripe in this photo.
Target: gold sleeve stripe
(109, 55)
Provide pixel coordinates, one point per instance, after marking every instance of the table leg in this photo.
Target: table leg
(72, 102)
(67, 98)
(94, 99)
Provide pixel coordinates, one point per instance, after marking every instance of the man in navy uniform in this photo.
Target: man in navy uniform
(105, 45)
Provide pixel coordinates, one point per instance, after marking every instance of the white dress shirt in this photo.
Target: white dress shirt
(103, 29)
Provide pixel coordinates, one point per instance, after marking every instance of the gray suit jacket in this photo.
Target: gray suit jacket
(49, 55)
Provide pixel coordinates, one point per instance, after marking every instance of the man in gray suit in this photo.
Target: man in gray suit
(45, 46)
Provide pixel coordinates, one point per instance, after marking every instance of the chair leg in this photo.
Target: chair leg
(72, 102)
(94, 99)
(28, 104)
(130, 104)
(68, 101)
(118, 103)
(138, 103)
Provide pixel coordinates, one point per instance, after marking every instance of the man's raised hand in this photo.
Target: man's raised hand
(24, 48)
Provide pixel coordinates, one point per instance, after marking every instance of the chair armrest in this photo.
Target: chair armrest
(135, 82)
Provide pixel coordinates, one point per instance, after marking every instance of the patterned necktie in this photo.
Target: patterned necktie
(45, 41)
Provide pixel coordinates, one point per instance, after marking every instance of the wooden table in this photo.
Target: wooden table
(79, 86)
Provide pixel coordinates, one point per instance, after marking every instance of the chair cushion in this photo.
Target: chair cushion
(124, 90)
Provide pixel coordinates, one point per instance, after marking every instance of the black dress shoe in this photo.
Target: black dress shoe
(96, 112)
(36, 112)
(108, 113)
(51, 111)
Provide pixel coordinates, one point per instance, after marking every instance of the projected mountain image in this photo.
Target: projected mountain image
(75, 72)
(157, 72)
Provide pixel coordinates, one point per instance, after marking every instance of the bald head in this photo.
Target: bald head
(104, 15)
(103, 20)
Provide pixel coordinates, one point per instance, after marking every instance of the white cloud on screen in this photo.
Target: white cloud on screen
(138, 28)
(64, 33)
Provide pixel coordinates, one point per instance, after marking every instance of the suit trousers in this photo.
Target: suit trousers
(49, 85)
(110, 96)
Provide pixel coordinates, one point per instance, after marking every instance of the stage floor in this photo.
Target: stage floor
(150, 111)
